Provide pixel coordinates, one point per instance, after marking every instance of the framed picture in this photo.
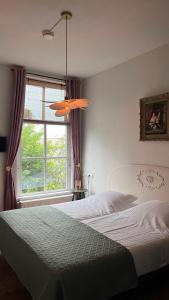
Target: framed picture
(154, 117)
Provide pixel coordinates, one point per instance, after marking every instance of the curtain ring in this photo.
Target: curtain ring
(8, 168)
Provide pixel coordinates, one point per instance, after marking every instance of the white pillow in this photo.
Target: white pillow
(97, 205)
(154, 212)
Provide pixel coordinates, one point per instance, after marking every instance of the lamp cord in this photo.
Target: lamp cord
(66, 62)
(66, 15)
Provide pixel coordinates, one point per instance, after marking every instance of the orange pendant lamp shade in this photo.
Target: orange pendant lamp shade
(62, 112)
(72, 104)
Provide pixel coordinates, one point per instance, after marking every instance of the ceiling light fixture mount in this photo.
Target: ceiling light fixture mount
(66, 15)
(62, 108)
(47, 34)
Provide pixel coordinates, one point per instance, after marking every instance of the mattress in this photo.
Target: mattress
(142, 233)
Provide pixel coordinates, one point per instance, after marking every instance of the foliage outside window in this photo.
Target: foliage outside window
(44, 150)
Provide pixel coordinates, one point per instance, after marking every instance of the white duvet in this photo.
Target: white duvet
(143, 229)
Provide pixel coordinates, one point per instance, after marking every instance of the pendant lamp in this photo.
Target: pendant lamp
(62, 108)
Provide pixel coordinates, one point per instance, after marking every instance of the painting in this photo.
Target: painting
(154, 117)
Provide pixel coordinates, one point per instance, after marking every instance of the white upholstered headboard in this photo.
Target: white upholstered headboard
(146, 182)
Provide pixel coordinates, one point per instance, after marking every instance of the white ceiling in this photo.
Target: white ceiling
(101, 34)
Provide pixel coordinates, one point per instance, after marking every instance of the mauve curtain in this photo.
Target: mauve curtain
(16, 120)
(75, 125)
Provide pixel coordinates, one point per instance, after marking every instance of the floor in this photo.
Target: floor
(154, 287)
(10, 287)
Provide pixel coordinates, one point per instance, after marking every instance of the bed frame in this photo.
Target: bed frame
(146, 182)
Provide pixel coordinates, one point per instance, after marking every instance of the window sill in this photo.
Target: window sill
(43, 195)
(31, 202)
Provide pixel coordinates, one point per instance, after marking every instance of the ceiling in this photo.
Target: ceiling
(101, 34)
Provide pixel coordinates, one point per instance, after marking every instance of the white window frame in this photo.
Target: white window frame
(45, 194)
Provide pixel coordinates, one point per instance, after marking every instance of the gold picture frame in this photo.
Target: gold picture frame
(154, 118)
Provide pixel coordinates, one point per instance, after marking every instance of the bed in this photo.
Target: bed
(93, 248)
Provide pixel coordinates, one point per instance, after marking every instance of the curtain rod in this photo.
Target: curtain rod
(44, 76)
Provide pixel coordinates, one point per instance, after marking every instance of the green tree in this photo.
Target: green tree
(34, 164)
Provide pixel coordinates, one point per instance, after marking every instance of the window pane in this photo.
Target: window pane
(33, 102)
(44, 145)
(32, 140)
(53, 95)
(56, 140)
(32, 175)
(56, 174)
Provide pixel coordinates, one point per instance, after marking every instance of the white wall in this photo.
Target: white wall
(5, 98)
(111, 123)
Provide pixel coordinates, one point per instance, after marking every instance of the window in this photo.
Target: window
(44, 155)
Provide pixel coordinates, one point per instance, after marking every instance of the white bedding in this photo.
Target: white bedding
(143, 229)
(97, 205)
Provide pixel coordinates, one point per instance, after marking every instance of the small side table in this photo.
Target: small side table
(78, 194)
